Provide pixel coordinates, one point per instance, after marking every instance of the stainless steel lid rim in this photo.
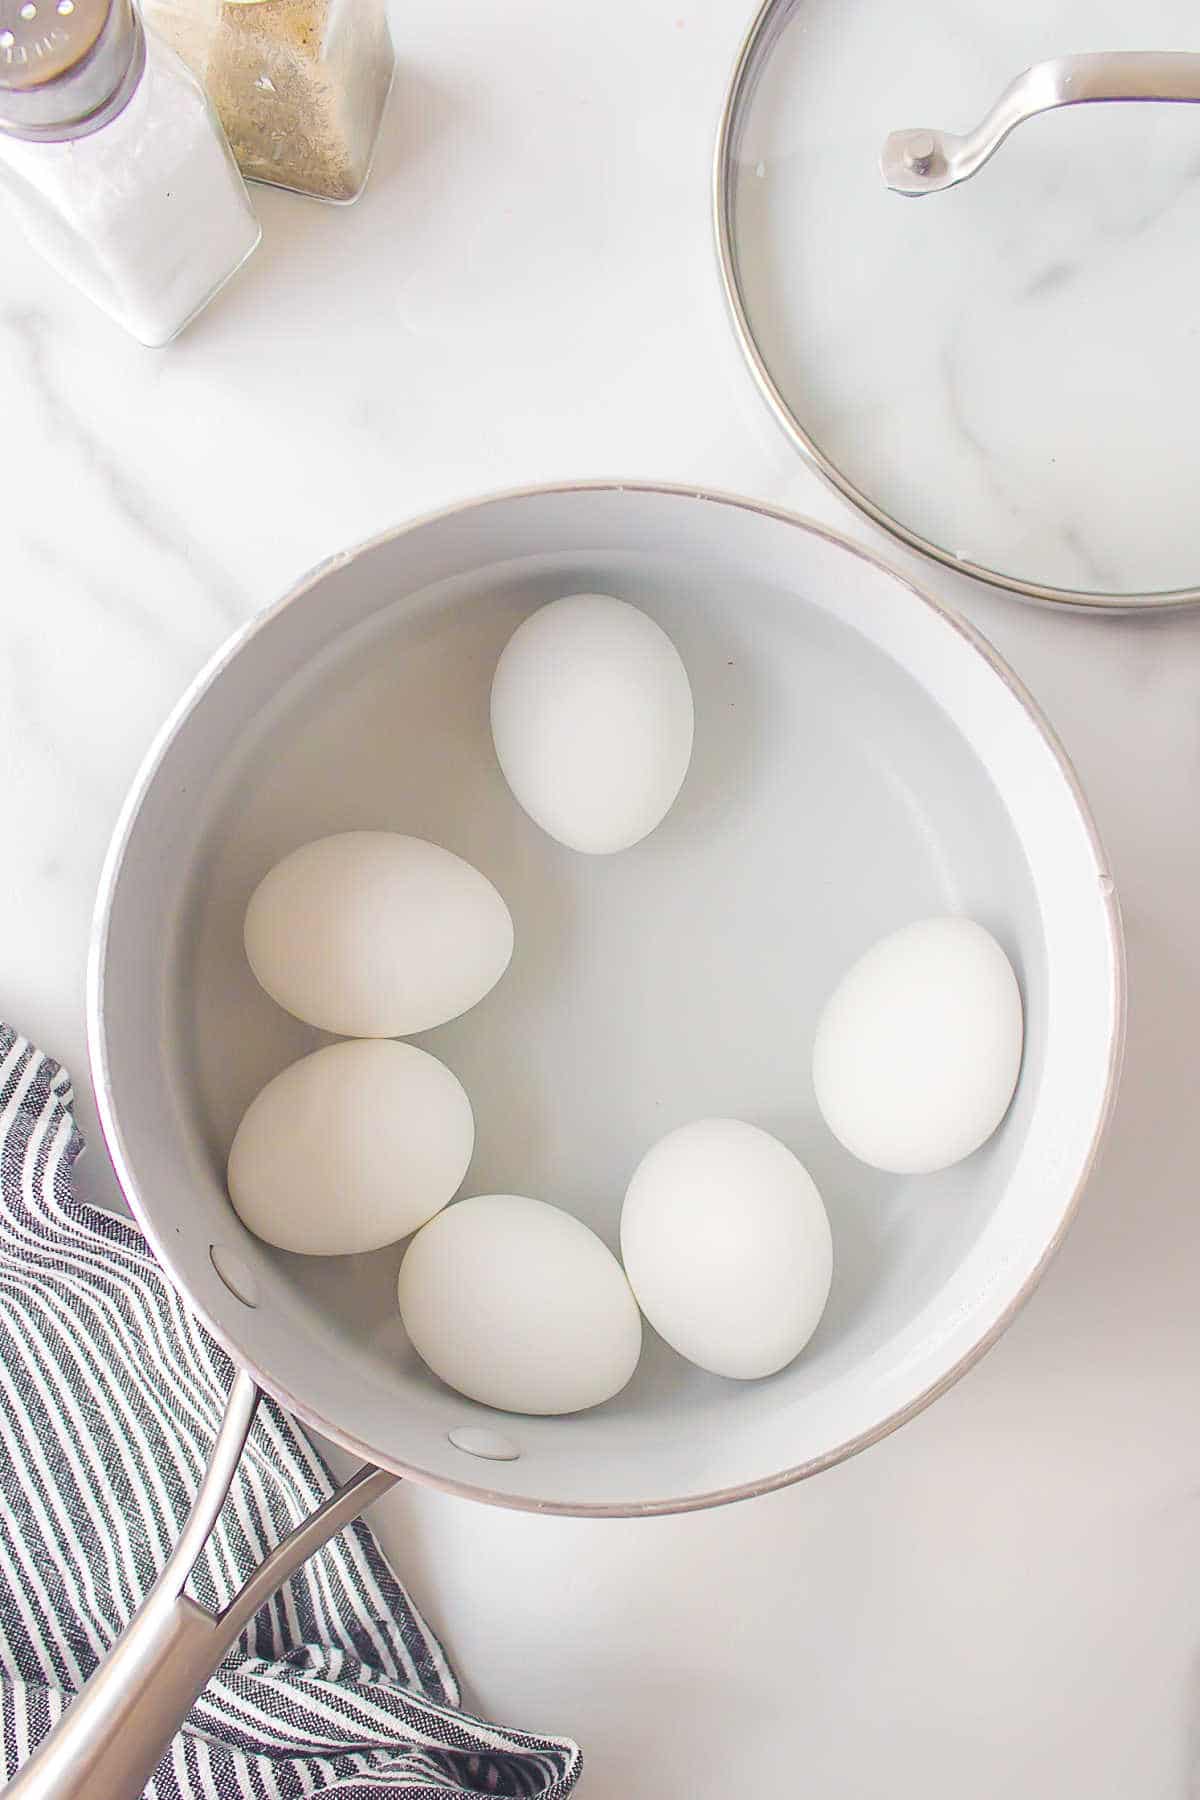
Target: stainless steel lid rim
(749, 67)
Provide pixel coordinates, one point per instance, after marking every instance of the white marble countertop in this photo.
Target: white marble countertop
(1004, 1598)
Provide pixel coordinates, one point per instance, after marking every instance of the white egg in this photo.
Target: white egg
(351, 1148)
(592, 721)
(371, 934)
(918, 1048)
(517, 1304)
(727, 1247)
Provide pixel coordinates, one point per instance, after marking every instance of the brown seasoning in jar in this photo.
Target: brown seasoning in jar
(300, 86)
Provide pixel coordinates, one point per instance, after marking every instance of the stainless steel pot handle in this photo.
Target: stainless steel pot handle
(112, 1737)
(923, 161)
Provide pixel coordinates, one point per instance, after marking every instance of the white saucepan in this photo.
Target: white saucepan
(862, 759)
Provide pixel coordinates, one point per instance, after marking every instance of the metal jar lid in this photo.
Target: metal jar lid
(995, 360)
(66, 66)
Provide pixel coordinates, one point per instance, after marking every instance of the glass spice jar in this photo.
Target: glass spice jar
(189, 26)
(300, 85)
(114, 163)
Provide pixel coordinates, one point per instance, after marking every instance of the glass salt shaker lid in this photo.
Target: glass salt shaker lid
(971, 299)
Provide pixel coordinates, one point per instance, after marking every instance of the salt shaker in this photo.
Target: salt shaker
(300, 85)
(115, 163)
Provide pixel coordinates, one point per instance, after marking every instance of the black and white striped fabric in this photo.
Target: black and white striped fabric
(110, 1395)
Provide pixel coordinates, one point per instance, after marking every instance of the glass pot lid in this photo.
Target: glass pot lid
(996, 357)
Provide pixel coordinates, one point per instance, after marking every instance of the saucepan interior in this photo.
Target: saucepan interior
(860, 761)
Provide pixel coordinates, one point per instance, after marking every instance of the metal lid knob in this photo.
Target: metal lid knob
(66, 66)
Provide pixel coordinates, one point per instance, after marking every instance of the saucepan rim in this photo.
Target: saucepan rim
(102, 1073)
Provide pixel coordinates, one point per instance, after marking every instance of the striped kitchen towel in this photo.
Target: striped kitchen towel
(110, 1396)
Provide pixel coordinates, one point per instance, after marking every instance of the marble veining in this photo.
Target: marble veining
(527, 292)
(130, 505)
(1007, 368)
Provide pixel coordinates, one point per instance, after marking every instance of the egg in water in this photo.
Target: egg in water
(727, 1247)
(351, 1148)
(517, 1304)
(918, 1048)
(371, 934)
(592, 721)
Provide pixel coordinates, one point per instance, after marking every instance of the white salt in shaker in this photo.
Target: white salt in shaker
(115, 163)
